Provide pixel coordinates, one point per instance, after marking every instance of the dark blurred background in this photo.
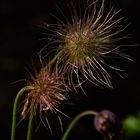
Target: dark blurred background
(19, 45)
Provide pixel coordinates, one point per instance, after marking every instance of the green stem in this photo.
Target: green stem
(75, 120)
(30, 126)
(55, 58)
(15, 109)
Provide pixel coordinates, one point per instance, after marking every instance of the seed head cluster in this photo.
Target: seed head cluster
(48, 93)
(89, 39)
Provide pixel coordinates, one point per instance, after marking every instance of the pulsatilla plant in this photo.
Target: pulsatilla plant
(86, 41)
(89, 39)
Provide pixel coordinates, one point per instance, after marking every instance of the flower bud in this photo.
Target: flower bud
(107, 123)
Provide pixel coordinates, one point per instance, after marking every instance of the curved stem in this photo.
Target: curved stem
(15, 109)
(30, 124)
(75, 120)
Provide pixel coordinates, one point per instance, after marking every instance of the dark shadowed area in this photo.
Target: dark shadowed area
(20, 42)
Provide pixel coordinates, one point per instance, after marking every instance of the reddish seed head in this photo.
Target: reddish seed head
(48, 93)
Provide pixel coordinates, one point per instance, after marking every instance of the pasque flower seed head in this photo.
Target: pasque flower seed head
(48, 93)
(90, 40)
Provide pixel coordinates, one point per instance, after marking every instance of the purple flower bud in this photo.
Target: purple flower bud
(107, 123)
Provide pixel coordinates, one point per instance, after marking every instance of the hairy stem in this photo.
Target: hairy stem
(27, 88)
(75, 120)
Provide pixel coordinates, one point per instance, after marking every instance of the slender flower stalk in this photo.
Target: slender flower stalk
(90, 39)
(13, 130)
(75, 120)
(30, 125)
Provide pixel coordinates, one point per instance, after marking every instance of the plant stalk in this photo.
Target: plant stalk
(30, 125)
(75, 120)
(27, 88)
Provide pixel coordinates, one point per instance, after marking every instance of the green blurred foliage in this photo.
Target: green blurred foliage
(131, 126)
